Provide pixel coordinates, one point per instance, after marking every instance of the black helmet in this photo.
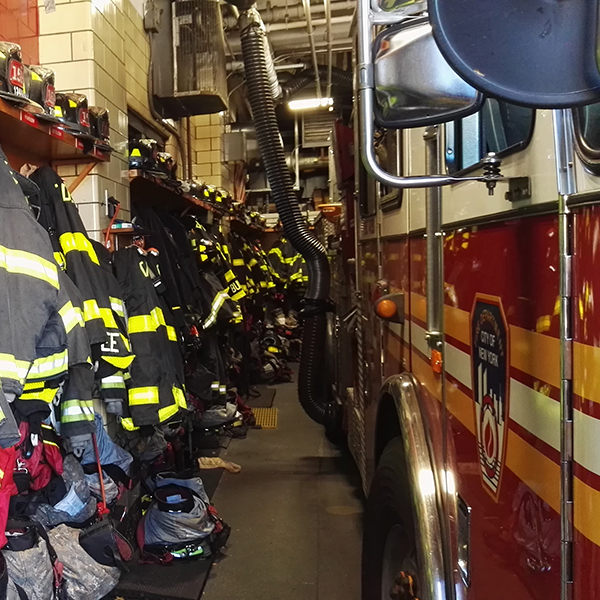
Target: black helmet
(72, 110)
(142, 154)
(196, 188)
(39, 83)
(12, 73)
(100, 124)
(166, 165)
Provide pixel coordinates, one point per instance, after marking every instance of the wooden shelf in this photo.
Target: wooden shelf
(154, 191)
(25, 138)
(164, 194)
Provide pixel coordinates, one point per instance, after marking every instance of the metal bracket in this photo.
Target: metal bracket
(519, 188)
(366, 19)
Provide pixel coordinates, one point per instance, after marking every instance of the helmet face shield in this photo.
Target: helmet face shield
(12, 72)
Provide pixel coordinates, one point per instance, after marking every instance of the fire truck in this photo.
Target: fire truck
(465, 273)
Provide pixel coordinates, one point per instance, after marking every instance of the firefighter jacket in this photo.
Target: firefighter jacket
(240, 259)
(30, 324)
(219, 307)
(177, 264)
(155, 392)
(76, 387)
(282, 255)
(78, 255)
(223, 267)
(217, 278)
(111, 374)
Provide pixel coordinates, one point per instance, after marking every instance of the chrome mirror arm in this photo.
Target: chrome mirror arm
(366, 99)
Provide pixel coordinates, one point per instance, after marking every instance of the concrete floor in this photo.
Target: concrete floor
(295, 511)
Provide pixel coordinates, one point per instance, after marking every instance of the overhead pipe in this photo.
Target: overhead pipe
(312, 391)
(327, 4)
(313, 49)
(286, 26)
(292, 39)
(294, 13)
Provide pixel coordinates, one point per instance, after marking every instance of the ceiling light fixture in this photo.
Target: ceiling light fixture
(309, 103)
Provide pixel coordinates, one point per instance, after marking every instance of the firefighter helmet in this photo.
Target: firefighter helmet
(39, 83)
(12, 73)
(143, 154)
(100, 123)
(167, 165)
(72, 110)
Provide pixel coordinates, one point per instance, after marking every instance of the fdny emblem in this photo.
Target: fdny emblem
(490, 363)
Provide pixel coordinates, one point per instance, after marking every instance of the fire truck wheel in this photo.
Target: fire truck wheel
(389, 549)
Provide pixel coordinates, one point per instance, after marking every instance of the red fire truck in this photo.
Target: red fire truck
(468, 346)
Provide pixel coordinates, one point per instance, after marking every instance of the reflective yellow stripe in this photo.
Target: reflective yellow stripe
(11, 368)
(239, 295)
(141, 324)
(78, 241)
(238, 262)
(252, 262)
(127, 424)
(229, 276)
(126, 342)
(119, 362)
(59, 257)
(71, 316)
(143, 395)
(117, 305)
(108, 318)
(179, 396)
(91, 310)
(277, 253)
(151, 323)
(167, 412)
(45, 394)
(113, 382)
(49, 366)
(73, 411)
(27, 263)
(218, 301)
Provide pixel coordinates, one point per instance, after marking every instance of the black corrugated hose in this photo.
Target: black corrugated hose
(296, 83)
(311, 380)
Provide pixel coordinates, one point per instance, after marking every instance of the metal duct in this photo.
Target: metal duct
(189, 58)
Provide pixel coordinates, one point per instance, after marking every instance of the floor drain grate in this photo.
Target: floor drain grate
(266, 417)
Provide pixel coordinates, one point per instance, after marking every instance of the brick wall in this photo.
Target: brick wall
(19, 24)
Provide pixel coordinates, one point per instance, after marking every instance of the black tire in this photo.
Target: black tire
(389, 518)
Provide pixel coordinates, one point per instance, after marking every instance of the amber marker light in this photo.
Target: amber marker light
(386, 309)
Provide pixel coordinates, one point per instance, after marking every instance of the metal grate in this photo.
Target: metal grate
(199, 54)
(266, 417)
(317, 129)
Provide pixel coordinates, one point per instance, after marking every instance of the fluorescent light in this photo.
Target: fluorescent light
(310, 103)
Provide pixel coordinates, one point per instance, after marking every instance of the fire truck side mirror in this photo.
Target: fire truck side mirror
(414, 84)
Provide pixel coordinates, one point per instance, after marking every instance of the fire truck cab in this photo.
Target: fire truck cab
(466, 339)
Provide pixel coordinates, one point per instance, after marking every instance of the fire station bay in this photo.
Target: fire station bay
(299, 300)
